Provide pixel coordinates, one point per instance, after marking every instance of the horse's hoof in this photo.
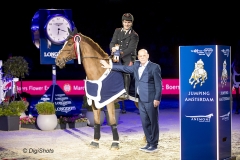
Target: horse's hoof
(114, 146)
(94, 144)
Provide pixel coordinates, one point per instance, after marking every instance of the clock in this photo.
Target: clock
(57, 29)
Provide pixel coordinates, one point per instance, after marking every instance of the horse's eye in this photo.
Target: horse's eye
(69, 44)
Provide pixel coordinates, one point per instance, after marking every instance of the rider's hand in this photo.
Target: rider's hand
(113, 49)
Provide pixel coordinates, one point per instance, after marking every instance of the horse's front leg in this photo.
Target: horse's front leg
(112, 122)
(97, 135)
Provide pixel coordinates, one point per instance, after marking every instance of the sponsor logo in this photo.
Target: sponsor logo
(205, 51)
(51, 54)
(66, 109)
(225, 117)
(201, 118)
(67, 87)
(225, 52)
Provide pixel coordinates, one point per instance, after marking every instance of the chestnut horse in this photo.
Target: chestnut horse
(83, 48)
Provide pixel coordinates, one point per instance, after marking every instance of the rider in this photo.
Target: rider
(125, 40)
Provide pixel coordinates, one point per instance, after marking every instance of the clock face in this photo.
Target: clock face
(57, 29)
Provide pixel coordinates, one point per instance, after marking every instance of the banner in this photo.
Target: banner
(224, 95)
(205, 112)
(76, 87)
(63, 104)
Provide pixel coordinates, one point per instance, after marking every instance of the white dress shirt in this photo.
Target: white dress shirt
(140, 71)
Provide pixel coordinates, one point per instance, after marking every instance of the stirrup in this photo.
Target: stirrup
(124, 96)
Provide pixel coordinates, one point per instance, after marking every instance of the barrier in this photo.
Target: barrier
(76, 87)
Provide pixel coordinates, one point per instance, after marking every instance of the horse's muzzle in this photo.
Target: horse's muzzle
(60, 63)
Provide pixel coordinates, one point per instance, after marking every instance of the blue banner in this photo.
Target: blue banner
(63, 104)
(224, 94)
(201, 83)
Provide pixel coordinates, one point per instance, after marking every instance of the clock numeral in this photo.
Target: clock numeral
(49, 23)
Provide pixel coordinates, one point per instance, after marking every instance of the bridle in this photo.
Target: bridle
(77, 40)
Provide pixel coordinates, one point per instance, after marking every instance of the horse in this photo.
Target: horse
(89, 53)
(199, 75)
(224, 75)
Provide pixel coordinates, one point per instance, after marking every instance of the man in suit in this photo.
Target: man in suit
(124, 43)
(148, 86)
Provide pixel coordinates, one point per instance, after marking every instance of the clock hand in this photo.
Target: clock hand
(62, 30)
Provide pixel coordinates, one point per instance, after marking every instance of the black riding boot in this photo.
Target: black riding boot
(127, 79)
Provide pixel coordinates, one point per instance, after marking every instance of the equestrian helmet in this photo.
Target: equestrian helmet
(127, 17)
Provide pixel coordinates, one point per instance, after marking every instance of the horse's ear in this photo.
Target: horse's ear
(69, 31)
(75, 31)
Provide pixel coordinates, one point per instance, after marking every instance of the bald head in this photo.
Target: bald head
(143, 56)
(143, 51)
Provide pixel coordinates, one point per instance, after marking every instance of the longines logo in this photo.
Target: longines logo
(51, 54)
(58, 24)
(201, 118)
(60, 95)
(205, 51)
(226, 52)
(225, 117)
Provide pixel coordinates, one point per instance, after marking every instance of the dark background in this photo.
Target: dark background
(161, 25)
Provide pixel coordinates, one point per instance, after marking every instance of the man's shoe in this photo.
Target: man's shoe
(144, 148)
(151, 149)
(237, 112)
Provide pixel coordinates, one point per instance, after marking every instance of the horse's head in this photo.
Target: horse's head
(68, 51)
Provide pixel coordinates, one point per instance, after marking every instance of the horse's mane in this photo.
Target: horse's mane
(94, 45)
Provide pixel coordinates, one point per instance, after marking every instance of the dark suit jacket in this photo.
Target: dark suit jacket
(150, 83)
(128, 44)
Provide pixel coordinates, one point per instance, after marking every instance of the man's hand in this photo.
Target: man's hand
(156, 103)
(105, 64)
